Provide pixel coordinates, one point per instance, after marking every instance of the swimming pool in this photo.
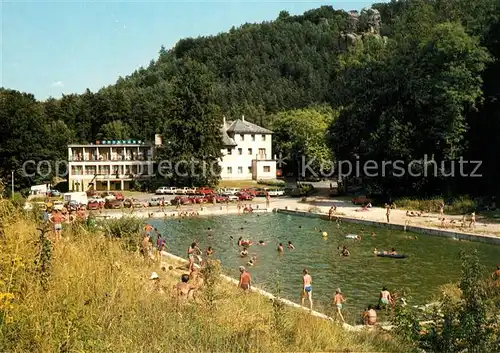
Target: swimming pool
(432, 261)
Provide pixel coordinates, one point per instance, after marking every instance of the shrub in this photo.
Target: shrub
(128, 229)
(278, 183)
(460, 205)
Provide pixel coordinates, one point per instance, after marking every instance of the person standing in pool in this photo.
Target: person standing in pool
(209, 232)
(307, 291)
(280, 248)
(385, 298)
(291, 246)
(338, 300)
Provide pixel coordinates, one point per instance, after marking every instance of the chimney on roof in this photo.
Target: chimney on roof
(243, 117)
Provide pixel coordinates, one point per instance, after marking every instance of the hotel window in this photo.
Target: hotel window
(267, 169)
(253, 138)
(262, 153)
(250, 151)
(229, 170)
(240, 170)
(263, 137)
(240, 151)
(229, 151)
(242, 137)
(250, 169)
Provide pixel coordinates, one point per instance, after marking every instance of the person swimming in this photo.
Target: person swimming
(262, 242)
(240, 240)
(291, 246)
(252, 261)
(375, 251)
(345, 252)
(280, 248)
(209, 251)
(244, 252)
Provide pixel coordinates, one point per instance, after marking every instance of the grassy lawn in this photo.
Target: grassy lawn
(237, 183)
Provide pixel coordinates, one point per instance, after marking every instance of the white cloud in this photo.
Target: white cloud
(58, 84)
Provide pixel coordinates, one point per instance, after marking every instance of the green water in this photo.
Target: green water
(432, 261)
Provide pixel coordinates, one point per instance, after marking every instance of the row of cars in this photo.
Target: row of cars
(204, 191)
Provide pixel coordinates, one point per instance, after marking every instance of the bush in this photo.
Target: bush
(465, 319)
(278, 183)
(128, 229)
(301, 190)
(460, 205)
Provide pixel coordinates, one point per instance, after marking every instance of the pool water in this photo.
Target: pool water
(432, 260)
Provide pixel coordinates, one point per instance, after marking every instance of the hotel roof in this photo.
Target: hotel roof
(245, 127)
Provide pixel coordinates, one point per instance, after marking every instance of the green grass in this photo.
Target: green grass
(97, 298)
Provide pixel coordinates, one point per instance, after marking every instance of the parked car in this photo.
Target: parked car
(154, 201)
(250, 191)
(232, 198)
(108, 196)
(275, 192)
(97, 198)
(118, 195)
(183, 200)
(162, 190)
(58, 205)
(91, 193)
(172, 190)
(204, 190)
(243, 196)
(112, 204)
(53, 193)
(198, 199)
(230, 191)
(93, 205)
(361, 200)
(74, 205)
(218, 198)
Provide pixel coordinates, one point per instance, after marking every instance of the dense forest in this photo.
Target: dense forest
(405, 80)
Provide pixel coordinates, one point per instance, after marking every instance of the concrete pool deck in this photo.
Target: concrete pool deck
(490, 239)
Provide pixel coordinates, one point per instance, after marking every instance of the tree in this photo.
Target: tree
(301, 134)
(116, 130)
(192, 136)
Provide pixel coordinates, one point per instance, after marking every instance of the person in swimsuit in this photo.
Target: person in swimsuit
(385, 298)
(245, 279)
(338, 299)
(291, 246)
(252, 261)
(307, 288)
(209, 251)
(191, 252)
(209, 232)
(280, 248)
(345, 252)
(262, 242)
(240, 240)
(370, 316)
(244, 252)
(56, 218)
(185, 290)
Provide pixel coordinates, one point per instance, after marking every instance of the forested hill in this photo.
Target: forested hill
(414, 77)
(260, 68)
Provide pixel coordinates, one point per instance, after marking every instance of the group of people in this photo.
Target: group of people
(57, 218)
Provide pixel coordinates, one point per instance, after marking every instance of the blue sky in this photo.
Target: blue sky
(50, 48)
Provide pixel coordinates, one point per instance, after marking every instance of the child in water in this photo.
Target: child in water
(291, 246)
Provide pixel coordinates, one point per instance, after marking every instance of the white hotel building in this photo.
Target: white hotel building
(109, 165)
(248, 151)
(114, 165)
